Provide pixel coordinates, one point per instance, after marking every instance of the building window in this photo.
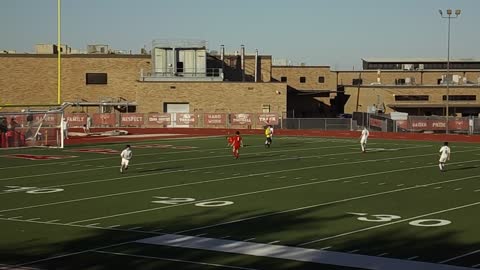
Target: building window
(96, 78)
(321, 79)
(357, 81)
(399, 81)
(460, 97)
(303, 79)
(411, 97)
(283, 79)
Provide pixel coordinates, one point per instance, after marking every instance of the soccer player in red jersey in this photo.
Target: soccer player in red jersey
(236, 143)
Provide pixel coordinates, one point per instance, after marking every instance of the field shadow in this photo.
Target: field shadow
(462, 168)
(171, 168)
(103, 249)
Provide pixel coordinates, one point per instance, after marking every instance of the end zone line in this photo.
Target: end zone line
(174, 260)
(391, 223)
(275, 189)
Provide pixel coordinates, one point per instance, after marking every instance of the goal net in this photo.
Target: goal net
(31, 129)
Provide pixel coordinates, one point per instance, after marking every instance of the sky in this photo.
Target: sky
(337, 33)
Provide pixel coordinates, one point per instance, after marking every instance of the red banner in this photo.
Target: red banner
(241, 118)
(18, 120)
(48, 119)
(159, 119)
(433, 124)
(215, 119)
(104, 119)
(76, 119)
(131, 119)
(185, 119)
(375, 122)
(268, 118)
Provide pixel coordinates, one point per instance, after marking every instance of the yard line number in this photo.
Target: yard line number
(386, 218)
(32, 190)
(175, 201)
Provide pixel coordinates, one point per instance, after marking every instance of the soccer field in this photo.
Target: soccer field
(304, 203)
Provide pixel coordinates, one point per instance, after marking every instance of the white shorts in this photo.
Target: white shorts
(363, 140)
(443, 159)
(125, 162)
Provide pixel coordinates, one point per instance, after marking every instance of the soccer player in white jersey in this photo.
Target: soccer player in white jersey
(126, 156)
(363, 139)
(444, 156)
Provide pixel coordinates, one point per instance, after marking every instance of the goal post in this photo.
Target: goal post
(31, 128)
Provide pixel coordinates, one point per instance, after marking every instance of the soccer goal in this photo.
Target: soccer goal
(31, 128)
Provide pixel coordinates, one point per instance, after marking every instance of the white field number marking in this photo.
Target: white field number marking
(32, 190)
(387, 218)
(174, 201)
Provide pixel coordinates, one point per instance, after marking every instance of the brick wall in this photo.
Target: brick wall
(32, 79)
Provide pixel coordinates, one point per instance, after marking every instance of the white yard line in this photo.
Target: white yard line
(175, 260)
(102, 158)
(266, 190)
(322, 204)
(113, 157)
(50, 223)
(392, 223)
(210, 181)
(69, 254)
(460, 256)
(169, 161)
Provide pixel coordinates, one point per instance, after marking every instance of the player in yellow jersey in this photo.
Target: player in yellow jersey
(268, 135)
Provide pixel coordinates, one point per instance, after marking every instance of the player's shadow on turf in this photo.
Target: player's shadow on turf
(160, 169)
(463, 168)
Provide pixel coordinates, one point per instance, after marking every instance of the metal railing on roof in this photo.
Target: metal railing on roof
(179, 43)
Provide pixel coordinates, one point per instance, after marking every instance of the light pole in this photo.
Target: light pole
(448, 16)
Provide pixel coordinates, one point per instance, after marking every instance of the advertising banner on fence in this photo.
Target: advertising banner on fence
(433, 124)
(215, 119)
(76, 119)
(185, 119)
(241, 118)
(159, 119)
(268, 118)
(104, 119)
(131, 119)
(376, 123)
(47, 119)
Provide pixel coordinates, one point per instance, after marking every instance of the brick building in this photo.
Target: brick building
(240, 82)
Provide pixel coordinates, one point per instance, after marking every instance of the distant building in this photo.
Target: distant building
(52, 49)
(98, 49)
(8, 51)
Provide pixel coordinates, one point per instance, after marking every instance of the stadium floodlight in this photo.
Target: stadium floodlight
(449, 16)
